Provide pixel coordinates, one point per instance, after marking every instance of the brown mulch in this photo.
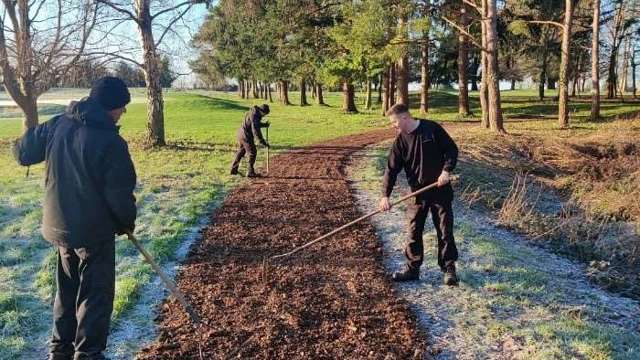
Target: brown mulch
(330, 301)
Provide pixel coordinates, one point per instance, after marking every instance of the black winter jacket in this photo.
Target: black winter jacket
(89, 179)
(251, 127)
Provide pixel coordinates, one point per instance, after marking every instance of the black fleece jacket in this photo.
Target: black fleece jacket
(423, 154)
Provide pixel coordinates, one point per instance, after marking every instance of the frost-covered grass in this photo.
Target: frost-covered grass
(515, 301)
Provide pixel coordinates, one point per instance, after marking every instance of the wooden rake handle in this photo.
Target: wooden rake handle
(402, 199)
(165, 279)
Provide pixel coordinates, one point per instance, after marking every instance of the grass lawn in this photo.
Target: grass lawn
(178, 185)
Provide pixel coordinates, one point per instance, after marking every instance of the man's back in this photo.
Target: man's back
(89, 176)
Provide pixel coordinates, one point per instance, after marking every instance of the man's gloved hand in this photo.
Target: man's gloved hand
(125, 231)
(266, 144)
(384, 204)
(266, 124)
(444, 179)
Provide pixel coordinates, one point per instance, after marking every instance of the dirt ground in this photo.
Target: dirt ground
(331, 301)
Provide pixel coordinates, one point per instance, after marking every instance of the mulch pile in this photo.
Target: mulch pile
(331, 301)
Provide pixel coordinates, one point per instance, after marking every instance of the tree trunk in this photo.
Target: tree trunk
(303, 93)
(386, 103)
(349, 101)
(269, 92)
(30, 110)
(240, 90)
(474, 72)
(495, 106)
(367, 104)
(313, 90)
(543, 78)
(392, 85)
(484, 92)
(576, 76)
(319, 97)
(633, 80)
(424, 76)
(625, 66)
(284, 89)
(255, 89)
(612, 78)
(379, 89)
(155, 101)
(463, 64)
(563, 97)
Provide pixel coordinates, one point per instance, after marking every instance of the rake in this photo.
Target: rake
(333, 232)
(166, 280)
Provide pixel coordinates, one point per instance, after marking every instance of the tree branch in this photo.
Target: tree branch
(159, 13)
(464, 32)
(474, 5)
(555, 23)
(115, 56)
(118, 9)
(168, 27)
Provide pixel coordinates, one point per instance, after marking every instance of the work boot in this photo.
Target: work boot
(252, 174)
(450, 277)
(94, 356)
(234, 171)
(408, 274)
(60, 356)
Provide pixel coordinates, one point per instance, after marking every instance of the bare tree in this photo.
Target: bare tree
(147, 14)
(40, 41)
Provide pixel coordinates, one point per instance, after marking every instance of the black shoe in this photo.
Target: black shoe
(408, 274)
(450, 277)
(253, 174)
(234, 171)
(60, 356)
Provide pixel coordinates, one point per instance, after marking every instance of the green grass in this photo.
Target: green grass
(177, 185)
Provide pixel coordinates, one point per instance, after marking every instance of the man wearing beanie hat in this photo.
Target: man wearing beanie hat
(89, 199)
(250, 128)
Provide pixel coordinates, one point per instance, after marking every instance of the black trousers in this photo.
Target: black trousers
(84, 301)
(245, 147)
(442, 215)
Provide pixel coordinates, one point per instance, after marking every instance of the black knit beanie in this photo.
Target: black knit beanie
(264, 108)
(110, 92)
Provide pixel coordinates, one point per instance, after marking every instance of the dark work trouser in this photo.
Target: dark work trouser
(245, 147)
(84, 301)
(442, 215)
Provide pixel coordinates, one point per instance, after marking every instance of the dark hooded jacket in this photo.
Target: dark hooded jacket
(251, 126)
(89, 179)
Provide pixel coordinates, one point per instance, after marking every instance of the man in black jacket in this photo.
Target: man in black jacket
(89, 186)
(427, 154)
(250, 127)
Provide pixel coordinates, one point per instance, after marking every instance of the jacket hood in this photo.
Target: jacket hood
(89, 112)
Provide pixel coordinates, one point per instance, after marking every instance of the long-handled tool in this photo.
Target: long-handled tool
(404, 198)
(268, 150)
(170, 285)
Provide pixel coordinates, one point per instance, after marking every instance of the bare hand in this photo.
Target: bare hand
(384, 204)
(444, 178)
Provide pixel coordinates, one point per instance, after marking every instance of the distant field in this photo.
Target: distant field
(178, 185)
